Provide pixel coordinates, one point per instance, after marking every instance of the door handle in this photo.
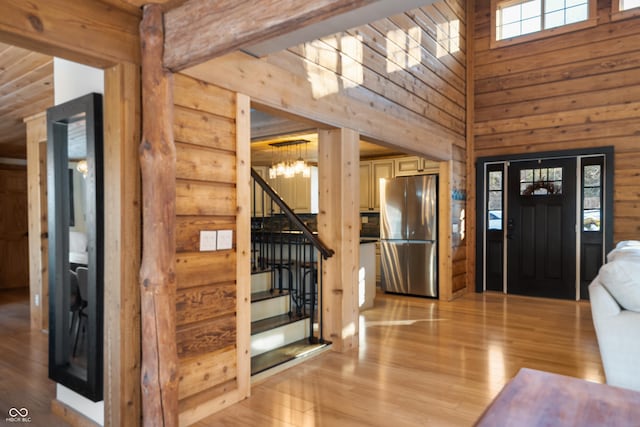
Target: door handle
(510, 228)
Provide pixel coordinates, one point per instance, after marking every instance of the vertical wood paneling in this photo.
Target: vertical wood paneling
(37, 199)
(339, 182)
(122, 245)
(572, 91)
(243, 245)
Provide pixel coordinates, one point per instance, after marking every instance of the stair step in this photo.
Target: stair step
(261, 270)
(273, 322)
(280, 355)
(261, 281)
(265, 295)
(267, 304)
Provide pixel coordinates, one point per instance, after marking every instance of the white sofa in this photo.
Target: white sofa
(615, 308)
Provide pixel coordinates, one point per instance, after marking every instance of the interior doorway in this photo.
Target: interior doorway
(544, 221)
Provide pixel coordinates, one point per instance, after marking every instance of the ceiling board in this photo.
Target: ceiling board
(281, 128)
(26, 88)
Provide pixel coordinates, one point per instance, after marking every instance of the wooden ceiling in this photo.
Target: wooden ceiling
(269, 127)
(26, 88)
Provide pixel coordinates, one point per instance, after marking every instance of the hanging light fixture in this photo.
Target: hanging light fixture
(286, 166)
(83, 167)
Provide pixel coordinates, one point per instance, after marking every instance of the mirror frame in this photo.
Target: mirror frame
(58, 187)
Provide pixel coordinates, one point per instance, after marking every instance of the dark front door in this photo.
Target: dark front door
(541, 224)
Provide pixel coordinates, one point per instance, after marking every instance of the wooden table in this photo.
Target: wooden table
(536, 398)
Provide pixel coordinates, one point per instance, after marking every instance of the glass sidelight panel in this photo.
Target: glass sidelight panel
(495, 201)
(591, 197)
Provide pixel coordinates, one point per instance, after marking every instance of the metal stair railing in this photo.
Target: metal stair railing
(284, 244)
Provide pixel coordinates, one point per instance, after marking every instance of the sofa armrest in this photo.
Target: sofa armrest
(602, 303)
(618, 334)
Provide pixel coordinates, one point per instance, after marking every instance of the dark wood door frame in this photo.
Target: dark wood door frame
(608, 185)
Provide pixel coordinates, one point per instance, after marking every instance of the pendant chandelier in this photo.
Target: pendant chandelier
(290, 162)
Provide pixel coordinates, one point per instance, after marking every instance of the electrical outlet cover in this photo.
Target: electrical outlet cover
(225, 239)
(208, 240)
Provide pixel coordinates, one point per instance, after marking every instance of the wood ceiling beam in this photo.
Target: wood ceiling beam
(199, 30)
(88, 31)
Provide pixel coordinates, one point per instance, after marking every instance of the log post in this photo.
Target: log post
(159, 376)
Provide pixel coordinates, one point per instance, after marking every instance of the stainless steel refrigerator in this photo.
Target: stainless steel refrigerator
(408, 235)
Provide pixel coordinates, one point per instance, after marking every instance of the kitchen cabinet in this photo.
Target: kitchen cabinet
(379, 169)
(410, 165)
(366, 282)
(365, 186)
(370, 174)
(299, 192)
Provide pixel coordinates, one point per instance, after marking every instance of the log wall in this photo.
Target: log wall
(14, 227)
(205, 138)
(576, 90)
(400, 81)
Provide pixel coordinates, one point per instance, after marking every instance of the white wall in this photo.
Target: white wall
(72, 80)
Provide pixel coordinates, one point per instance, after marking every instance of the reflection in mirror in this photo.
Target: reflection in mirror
(75, 240)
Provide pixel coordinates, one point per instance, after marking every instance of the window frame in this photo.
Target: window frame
(591, 21)
(618, 14)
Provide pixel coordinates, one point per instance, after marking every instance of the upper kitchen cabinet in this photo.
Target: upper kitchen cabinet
(370, 174)
(410, 165)
(413, 165)
(365, 186)
(299, 192)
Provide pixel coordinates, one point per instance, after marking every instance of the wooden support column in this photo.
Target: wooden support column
(338, 224)
(243, 245)
(159, 374)
(38, 243)
(122, 246)
(445, 239)
(470, 214)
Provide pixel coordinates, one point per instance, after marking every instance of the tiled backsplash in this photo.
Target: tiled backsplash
(370, 224)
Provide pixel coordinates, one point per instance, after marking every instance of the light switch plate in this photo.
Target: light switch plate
(225, 239)
(208, 240)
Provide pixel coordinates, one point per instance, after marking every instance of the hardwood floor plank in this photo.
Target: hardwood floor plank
(426, 362)
(420, 362)
(23, 362)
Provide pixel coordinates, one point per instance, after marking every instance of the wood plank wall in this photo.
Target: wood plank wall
(14, 227)
(576, 90)
(205, 138)
(400, 81)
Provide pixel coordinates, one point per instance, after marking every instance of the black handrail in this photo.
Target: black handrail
(326, 251)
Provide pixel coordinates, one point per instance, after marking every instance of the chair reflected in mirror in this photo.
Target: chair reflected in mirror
(82, 274)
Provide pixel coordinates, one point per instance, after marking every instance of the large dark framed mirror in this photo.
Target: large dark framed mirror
(74, 173)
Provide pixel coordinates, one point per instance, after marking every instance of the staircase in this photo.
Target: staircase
(286, 260)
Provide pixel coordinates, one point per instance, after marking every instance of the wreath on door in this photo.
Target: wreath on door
(534, 189)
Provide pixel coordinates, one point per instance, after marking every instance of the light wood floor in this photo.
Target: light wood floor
(420, 363)
(24, 379)
(426, 363)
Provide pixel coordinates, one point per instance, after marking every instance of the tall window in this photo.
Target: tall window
(629, 4)
(622, 9)
(591, 197)
(515, 18)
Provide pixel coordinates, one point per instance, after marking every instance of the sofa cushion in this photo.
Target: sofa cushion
(625, 249)
(622, 279)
